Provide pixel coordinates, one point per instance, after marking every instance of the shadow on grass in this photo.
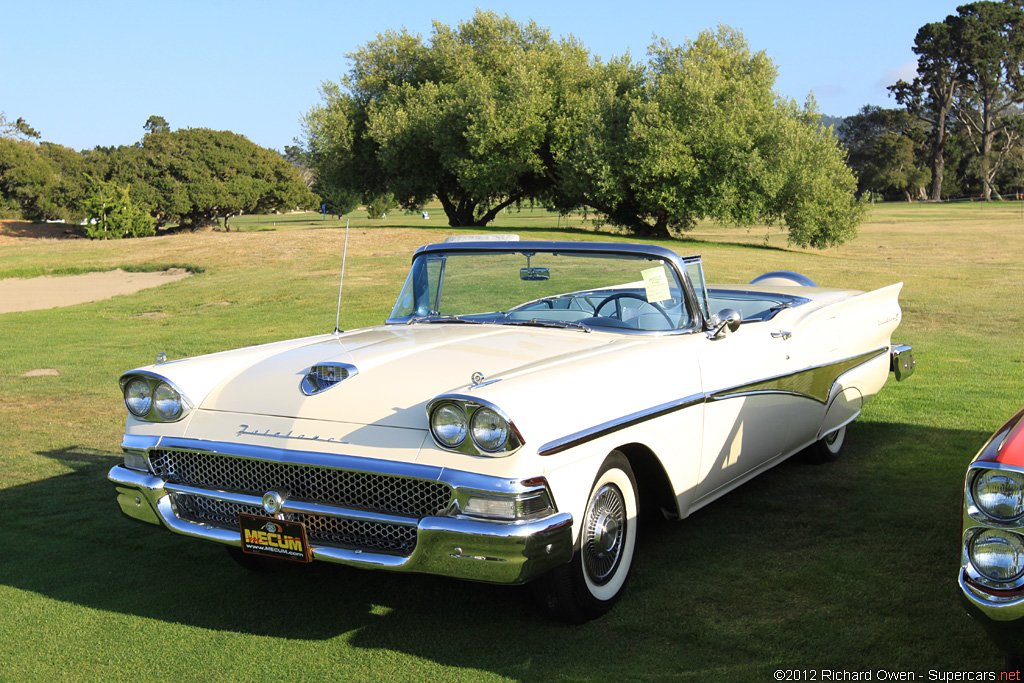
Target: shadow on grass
(819, 566)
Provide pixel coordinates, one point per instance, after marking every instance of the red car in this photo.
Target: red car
(992, 545)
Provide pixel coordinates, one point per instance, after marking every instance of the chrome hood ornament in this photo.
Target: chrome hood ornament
(323, 376)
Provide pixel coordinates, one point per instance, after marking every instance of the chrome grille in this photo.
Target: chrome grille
(396, 539)
(361, 490)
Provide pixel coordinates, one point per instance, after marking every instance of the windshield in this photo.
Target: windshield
(565, 289)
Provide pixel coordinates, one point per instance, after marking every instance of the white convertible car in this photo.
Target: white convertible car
(524, 401)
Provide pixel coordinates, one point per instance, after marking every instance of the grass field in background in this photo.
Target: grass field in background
(848, 566)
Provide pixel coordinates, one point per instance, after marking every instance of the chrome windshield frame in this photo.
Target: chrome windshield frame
(680, 265)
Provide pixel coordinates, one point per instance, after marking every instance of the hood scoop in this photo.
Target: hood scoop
(323, 376)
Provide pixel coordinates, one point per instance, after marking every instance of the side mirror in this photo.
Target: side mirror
(534, 274)
(727, 319)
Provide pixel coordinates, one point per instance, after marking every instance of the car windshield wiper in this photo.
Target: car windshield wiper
(442, 319)
(537, 322)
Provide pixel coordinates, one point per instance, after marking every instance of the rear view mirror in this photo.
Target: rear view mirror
(534, 274)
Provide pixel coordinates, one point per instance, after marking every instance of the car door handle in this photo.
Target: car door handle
(781, 334)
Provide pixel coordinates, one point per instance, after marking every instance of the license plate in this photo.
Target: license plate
(274, 538)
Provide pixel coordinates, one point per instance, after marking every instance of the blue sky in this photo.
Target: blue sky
(90, 73)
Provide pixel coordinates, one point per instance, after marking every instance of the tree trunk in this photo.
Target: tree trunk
(658, 229)
(493, 213)
(661, 226)
(938, 169)
(459, 215)
(939, 154)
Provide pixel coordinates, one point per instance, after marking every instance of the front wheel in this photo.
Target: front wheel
(594, 580)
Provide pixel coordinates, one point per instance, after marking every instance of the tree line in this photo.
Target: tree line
(960, 131)
(189, 178)
(494, 113)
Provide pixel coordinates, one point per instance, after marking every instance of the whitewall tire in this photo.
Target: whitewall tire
(592, 583)
(828, 448)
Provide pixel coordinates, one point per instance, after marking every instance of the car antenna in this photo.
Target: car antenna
(344, 252)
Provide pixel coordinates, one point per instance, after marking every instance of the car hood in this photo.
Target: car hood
(400, 368)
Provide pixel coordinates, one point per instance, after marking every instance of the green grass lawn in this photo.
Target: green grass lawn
(848, 566)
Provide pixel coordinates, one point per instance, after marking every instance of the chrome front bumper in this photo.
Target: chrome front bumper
(450, 544)
(1002, 617)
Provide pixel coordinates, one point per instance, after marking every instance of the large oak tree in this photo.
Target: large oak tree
(699, 133)
(495, 112)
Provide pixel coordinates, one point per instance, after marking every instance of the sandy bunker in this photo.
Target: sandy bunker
(38, 293)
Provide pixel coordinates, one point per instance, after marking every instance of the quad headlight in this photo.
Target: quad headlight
(153, 398)
(167, 402)
(448, 424)
(999, 494)
(138, 396)
(998, 555)
(489, 431)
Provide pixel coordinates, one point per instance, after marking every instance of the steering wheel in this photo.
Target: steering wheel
(630, 295)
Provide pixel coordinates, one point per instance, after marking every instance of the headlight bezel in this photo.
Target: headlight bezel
(984, 521)
(144, 395)
(989, 512)
(491, 436)
(470, 443)
(975, 568)
(157, 385)
(458, 419)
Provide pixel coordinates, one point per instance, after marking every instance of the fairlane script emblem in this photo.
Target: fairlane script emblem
(244, 430)
(891, 319)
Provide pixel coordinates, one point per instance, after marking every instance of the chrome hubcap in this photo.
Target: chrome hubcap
(835, 439)
(603, 534)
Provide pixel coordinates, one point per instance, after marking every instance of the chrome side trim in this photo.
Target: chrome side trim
(814, 382)
(612, 426)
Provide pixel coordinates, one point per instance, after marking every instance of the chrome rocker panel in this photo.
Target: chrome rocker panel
(456, 546)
